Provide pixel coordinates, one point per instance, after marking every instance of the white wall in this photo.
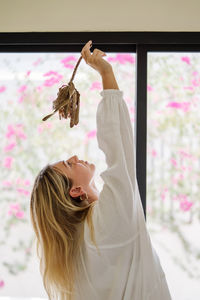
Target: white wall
(101, 15)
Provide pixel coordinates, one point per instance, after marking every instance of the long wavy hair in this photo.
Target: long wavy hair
(58, 222)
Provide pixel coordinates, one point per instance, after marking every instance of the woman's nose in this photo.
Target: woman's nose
(74, 159)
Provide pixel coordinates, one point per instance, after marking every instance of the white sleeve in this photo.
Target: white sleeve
(115, 209)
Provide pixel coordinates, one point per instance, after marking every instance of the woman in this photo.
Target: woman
(109, 257)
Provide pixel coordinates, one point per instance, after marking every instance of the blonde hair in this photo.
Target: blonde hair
(58, 222)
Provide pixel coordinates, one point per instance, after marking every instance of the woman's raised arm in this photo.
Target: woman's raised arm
(109, 81)
(116, 214)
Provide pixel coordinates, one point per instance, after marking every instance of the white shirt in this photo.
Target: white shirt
(128, 267)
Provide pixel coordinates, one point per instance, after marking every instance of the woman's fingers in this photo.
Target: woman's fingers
(98, 52)
(95, 59)
(86, 54)
(86, 50)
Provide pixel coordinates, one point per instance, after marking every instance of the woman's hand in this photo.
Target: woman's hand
(95, 59)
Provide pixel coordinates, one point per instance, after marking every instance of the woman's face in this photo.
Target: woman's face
(81, 172)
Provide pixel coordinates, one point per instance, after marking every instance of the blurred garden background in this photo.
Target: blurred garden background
(29, 83)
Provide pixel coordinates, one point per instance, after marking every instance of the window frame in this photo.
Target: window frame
(140, 43)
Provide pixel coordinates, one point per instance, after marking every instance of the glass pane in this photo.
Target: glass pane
(29, 83)
(173, 161)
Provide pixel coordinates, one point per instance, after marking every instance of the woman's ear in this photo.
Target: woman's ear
(76, 191)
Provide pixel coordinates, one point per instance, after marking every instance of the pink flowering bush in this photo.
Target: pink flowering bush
(185, 205)
(173, 148)
(15, 210)
(28, 143)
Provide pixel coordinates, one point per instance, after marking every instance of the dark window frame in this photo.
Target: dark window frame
(139, 42)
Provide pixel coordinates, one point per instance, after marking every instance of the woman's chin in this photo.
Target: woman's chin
(93, 165)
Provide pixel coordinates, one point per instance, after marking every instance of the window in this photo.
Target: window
(159, 75)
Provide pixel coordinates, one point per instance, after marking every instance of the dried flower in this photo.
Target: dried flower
(68, 101)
